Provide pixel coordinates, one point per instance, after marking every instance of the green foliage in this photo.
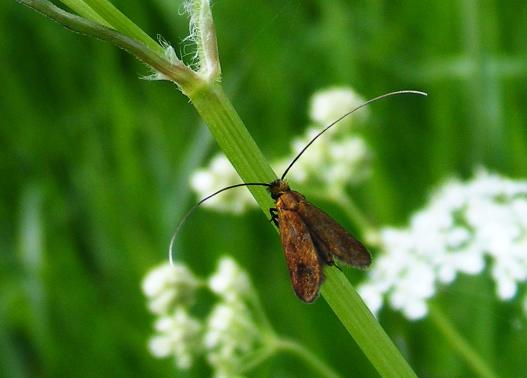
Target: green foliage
(95, 166)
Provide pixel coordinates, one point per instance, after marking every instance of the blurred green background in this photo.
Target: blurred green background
(95, 166)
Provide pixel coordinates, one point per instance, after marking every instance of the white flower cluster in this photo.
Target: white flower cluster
(232, 333)
(170, 289)
(176, 335)
(334, 161)
(464, 225)
(337, 159)
(230, 282)
(340, 157)
(230, 337)
(330, 104)
(226, 336)
(169, 285)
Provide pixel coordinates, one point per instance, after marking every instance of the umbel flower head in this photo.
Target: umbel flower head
(334, 161)
(168, 285)
(329, 104)
(177, 335)
(464, 226)
(229, 282)
(339, 158)
(170, 290)
(230, 334)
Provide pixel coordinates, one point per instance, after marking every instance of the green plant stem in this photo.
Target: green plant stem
(206, 41)
(323, 369)
(85, 11)
(256, 358)
(474, 361)
(235, 141)
(120, 22)
(363, 327)
(182, 75)
(259, 312)
(276, 344)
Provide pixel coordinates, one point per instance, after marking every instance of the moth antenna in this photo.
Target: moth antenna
(346, 115)
(193, 208)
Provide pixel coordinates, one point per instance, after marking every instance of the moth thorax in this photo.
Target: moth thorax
(277, 188)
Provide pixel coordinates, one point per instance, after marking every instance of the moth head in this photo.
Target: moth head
(277, 188)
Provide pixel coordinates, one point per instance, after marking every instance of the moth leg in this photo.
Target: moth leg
(274, 215)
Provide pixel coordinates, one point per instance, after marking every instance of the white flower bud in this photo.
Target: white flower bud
(231, 334)
(329, 104)
(229, 281)
(160, 346)
(167, 286)
(178, 335)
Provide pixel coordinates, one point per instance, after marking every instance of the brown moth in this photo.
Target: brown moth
(310, 238)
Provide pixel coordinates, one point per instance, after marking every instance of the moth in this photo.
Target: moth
(310, 238)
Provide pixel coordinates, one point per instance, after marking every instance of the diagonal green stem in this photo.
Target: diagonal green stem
(114, 17)
(256, 358)
(235, 141)
(456, 340)
(306, 355)
(363, 327)
(84, 10)
(274, 344)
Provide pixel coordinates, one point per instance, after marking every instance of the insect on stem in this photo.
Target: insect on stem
(310, 238)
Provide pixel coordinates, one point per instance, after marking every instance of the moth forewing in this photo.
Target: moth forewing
(303, 261)
(331, 238)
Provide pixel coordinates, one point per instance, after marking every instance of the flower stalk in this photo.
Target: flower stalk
(311, 359)
(363, 327)
(458, 342)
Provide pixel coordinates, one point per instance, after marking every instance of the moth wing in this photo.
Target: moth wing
(332, 239)
(303, 262)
